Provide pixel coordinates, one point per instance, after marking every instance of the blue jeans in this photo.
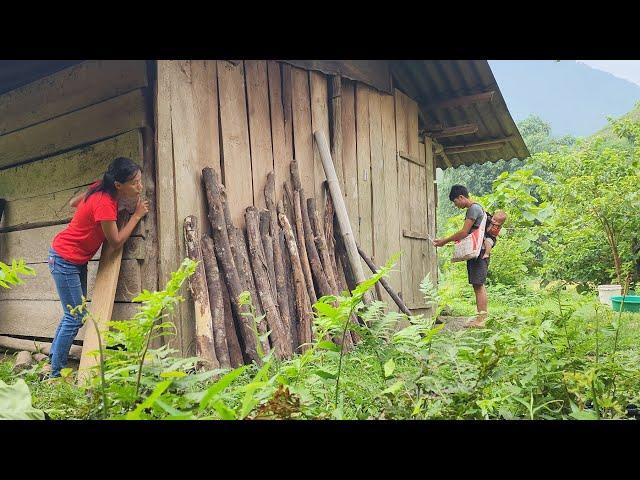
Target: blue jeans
(71, 283)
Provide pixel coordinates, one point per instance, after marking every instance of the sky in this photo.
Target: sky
(627, 69)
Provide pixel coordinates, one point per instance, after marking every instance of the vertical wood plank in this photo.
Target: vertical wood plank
(418, 224)
(282, 154)
(287, 105)
(259, 127)
(319, 121)
(379, 202)
(364, 168)
(302, 134)
(403, 195)
(187, 175)
(166, 219)
(418, 202)
(149, 267)
(349, 156)
(432, 258)
(101, 307)
(235, 139)
(392, 216)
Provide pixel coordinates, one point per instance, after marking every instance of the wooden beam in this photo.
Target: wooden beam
(416, 235)
(439, 150)
(467, 129)
(483, 97)
(101, 309)
(477, 146)
(89, 125)
(411, 158)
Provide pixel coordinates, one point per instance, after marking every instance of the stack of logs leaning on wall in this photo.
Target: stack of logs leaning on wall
(287, 259)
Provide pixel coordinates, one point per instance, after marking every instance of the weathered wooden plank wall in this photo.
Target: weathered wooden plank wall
(57, 135)
(243, 118)
(268, 112)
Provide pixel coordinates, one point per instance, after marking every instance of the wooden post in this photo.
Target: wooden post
(216, 301)
(233, 337)
(280, 339)
(240, 255)
(331, 244)
(312, 252)
(341, 210)
(291, 296)
(267, 248)
(304, 259)
(321, 243)
(302, 300)
(282, 290)
(225, 257)
(205, 347)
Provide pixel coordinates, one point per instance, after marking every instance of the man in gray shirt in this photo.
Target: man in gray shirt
(477, 268)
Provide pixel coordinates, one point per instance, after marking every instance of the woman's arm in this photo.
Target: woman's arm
(116, 238)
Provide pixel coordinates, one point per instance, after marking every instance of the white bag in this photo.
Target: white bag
(469, 247)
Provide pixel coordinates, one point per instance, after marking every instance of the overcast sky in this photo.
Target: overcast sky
(627, 69)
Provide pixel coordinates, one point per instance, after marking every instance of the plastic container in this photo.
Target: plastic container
(605, 292)
(631, 303)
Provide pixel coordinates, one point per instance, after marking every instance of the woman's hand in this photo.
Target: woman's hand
(439, 242)
(142, 208)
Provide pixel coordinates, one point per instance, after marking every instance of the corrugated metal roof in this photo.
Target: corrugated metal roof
(432, 81)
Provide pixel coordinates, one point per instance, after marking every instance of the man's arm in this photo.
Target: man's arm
(459, 235)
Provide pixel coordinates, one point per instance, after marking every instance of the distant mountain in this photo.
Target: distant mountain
(573, 97)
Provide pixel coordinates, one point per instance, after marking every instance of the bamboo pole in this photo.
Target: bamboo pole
(341, 210)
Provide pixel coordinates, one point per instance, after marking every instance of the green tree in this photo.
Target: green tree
(595, 193)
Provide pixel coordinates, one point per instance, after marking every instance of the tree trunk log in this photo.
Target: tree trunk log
(295, 176)
(226, 262)
(243, 266)
(304, 259)
(267, 248)
(314, 259)
(282, 289)
(291, 295)
(321, 243)
(205, 345)
(328, 235)
(232, 327)
(281, 341)
(216, 301)
(303, 307)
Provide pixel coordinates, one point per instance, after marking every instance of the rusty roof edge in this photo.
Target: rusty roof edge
(500, 105)
(519, 146)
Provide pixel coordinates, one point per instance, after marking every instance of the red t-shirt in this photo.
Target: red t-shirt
(82, 238)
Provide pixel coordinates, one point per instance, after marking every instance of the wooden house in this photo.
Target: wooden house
(390, 125)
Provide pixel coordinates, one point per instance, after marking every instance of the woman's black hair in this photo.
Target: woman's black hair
(122, 169)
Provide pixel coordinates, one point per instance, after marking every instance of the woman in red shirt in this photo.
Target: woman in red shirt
(94, 221)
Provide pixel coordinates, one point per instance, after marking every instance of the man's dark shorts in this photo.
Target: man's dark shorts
(477, 270)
